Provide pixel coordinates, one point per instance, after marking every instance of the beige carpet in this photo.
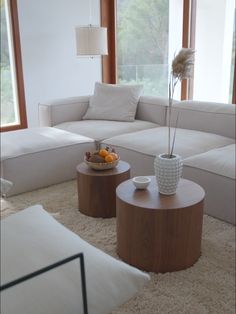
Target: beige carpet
(207, 287)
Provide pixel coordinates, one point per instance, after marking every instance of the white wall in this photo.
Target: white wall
(214, 34)
(50, 66)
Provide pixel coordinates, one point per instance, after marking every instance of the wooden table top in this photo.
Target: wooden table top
(86, 170)
(188, 193)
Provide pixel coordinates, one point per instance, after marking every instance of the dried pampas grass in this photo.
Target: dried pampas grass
(182, 65)
(182, 68)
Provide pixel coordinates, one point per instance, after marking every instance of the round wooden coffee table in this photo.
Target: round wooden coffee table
(97, 189)
(157, 232)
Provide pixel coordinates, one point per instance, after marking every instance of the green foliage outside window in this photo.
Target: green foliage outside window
(8, 115)
(142, 34)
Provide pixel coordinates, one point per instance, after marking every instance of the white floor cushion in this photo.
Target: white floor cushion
(32, 239)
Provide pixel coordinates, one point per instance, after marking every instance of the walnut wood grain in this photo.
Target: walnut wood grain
(156, 232)
(97, 189)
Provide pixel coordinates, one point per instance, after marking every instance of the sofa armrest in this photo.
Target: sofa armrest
(62, 110)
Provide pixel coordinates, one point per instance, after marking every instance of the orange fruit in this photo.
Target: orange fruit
(103, 152)
(114, 155)
(109, 158)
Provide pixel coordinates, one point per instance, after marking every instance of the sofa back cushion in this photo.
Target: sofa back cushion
(152, 109)
(113, 102)
(62, 110)
(210, 117)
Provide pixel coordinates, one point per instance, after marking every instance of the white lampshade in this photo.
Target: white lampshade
(91, 40)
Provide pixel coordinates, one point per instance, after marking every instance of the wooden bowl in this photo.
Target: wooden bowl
(102, 165)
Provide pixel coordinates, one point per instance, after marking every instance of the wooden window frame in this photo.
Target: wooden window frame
(188, 41)
(19, 70)
(108, 19)
(234, 82)
(109, 63)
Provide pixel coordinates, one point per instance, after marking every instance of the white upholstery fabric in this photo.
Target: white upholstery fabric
(141, 163)
(153, 109)
(206, 116)
(39, 157)
(113, 102)
(102, 129)
(220, 161)
(215, 118)
(220, 192)
(209, 107)
(31, 240)
(57, 111)
(61, 110)
(215, 172)
(29, 141)
(154, 141)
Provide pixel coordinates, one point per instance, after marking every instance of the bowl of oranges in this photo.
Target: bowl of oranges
(102, 159)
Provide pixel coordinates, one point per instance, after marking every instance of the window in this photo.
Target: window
(213, 73)
(148, 33)
(13, 114)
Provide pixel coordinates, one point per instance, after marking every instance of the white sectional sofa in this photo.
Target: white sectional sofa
(205, 139)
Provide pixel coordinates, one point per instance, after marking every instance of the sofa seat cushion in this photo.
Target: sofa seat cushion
(31, 240)
(154, 141)
(38, 157)
(220, 161)
(30, 141)
(102, 129)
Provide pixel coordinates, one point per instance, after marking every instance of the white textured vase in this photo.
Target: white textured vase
(168, 172)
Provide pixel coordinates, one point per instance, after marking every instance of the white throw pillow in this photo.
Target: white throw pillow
(113, 102)
(31, 240)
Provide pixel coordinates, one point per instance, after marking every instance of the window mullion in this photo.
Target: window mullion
(188, 41)
(20, 93)
(108, 19)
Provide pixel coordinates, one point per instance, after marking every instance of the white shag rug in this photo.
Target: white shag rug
(207, 287)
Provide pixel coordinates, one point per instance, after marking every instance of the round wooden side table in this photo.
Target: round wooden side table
(156, 232)
(97, 189)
